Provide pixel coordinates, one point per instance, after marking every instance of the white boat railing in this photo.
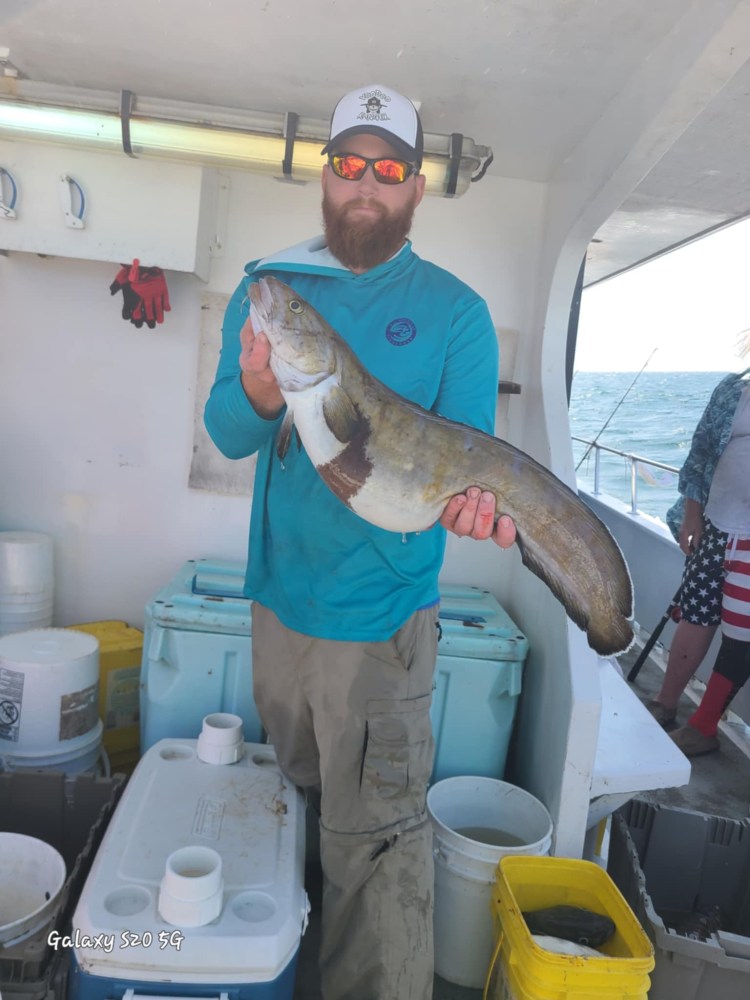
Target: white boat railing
(633, 462)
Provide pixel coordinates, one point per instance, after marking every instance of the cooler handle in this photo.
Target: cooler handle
(132, 995)
(462, 616)
(218, 584)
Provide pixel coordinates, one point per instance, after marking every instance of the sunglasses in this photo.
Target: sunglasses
(387, 170)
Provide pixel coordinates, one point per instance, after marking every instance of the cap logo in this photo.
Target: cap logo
(373, 109)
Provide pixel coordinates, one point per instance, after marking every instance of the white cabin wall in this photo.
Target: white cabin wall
(97, 417)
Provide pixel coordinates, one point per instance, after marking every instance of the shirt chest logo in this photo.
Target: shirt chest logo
(400, 332)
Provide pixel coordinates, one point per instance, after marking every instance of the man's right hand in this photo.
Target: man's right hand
(258, 380)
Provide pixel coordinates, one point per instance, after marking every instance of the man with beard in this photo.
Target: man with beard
(344, 613)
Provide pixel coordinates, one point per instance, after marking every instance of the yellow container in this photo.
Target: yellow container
(120, 654)
(124, 762)
(528, 972)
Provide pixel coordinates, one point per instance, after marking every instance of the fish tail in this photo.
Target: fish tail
(603, 615)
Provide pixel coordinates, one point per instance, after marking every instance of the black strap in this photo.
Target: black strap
(457, 145)
(127, 100)
(290, 134)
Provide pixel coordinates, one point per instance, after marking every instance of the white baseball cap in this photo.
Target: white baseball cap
(381, 111)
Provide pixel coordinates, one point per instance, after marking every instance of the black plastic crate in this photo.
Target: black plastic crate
(70, 812)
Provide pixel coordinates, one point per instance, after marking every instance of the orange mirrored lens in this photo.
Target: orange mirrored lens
(391, 171)
(386, 170)
(351, 168)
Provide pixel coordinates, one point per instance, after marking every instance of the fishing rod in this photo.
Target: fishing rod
(622, 400)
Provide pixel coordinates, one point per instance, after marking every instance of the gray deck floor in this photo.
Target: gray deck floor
(719, 784)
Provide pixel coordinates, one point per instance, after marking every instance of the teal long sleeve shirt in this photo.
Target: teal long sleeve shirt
(323, 570)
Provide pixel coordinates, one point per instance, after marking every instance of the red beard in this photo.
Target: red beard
(363, 243)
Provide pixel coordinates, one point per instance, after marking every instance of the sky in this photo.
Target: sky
(691, 305)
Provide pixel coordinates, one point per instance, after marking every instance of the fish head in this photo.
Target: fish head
(302, 344)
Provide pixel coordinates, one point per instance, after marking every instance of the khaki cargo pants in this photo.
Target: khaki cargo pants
(350, 722)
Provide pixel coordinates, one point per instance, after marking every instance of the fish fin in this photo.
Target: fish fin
(285, 435)
(340, 414)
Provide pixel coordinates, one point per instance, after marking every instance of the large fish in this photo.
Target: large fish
(397, 465)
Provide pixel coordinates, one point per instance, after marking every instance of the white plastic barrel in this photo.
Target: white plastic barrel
(475, 822)
(49, 687)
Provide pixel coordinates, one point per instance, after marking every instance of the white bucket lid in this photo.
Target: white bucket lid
(47, 646)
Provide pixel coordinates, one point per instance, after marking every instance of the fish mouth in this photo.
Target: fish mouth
(261, 301)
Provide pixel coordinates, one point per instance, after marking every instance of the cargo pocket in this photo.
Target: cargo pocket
(398, 755)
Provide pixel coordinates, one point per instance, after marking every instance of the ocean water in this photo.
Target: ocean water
(651, 415)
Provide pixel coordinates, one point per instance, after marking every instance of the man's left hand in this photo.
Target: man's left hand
(472, 515)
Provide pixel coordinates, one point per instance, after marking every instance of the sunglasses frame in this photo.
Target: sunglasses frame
(370, 162)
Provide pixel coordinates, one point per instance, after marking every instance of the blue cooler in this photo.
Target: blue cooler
(196, 653)
(197, 659)
(244, 945)
(481, 656)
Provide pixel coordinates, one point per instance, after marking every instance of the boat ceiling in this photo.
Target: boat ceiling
(529, 78)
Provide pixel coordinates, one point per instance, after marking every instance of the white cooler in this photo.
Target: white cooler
(245, 813)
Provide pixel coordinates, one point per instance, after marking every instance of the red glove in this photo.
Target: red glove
(150, 285)
(130, 301)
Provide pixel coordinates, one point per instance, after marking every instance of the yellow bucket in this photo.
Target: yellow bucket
(120, 654)
(522, 970)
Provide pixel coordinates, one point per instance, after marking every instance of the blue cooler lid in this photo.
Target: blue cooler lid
(205, 595)
(474, 624)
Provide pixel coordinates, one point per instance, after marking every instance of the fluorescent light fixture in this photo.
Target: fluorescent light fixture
(285, 146)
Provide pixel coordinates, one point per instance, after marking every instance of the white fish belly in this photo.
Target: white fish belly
(381, 499)
(320, 443)
(376, 503)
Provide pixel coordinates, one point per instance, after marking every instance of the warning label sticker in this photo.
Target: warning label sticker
(78, 712)
(11, 702)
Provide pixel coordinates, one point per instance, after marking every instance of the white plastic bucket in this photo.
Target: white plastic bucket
(32, 874)
(49, 689)
(475, 822)
(26, 581)
(86, 757)
(26, 563)
(23, 617)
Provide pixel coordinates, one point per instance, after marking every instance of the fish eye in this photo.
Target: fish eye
(296, 306)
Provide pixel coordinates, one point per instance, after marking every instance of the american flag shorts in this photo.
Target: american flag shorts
(735, 604)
